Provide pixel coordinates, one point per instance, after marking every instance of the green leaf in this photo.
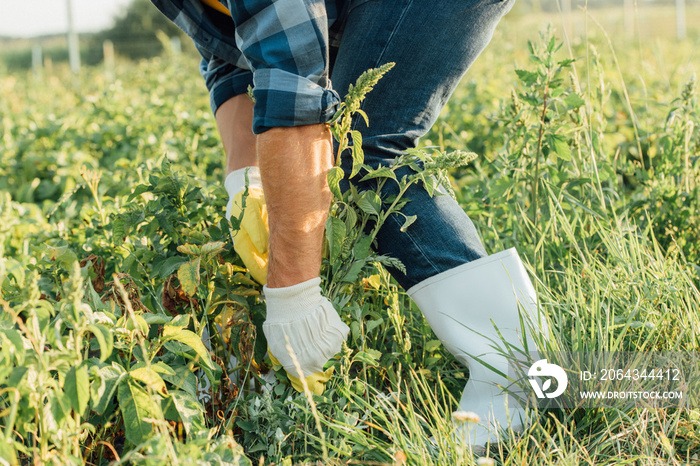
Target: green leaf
(104, 338)
(138, 190)
(190, 339)
(8, 453)
(188, 274)
(194, 195)
(350, 218)
(428, 183)
(59, 407)
(63, 255)
(408, 222)
(110, 375)
(183, 379)
(432, 345)
(335, 118)
(355, 309)
(381, 172)
(168, 266)
(228, 270)
(363, 115)
(335, 232)
(181, 321)
(136, 406)
(246, 425)
(527, 77)
(370, 357)
(354, 271)
(94, 299)
(559, 145)
(213, 248)
(191, 249)
(149, 378)
(17, 376)
(370, 203)
(190, 411)
(119, 228)
(372, 324)
(358, 155)
(260, 446)
(15, 339)
(355, 329)
(15, 269)
(162, 368)
(574, 101)
(334, 176)
(240, 279)
(363, 248)
(152, 319)
(77, 387)
(566, 62)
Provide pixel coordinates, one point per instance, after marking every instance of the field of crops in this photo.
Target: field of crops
(115, 261)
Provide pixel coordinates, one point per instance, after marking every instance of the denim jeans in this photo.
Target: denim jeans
(433, 43)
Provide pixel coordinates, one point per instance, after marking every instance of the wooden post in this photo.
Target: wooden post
(73, 47)
(108, 53)
(37, 61)
(629, 18)
(175, 45)
(680, 19)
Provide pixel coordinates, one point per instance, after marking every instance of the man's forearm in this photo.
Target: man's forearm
(293, 164)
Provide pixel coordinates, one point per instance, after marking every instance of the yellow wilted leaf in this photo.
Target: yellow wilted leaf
(243, 291)
(188, 274)
(374, 281)
(191, 249)
(213, 248)
(230, 269)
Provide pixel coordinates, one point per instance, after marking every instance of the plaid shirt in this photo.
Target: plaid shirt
(280, 47)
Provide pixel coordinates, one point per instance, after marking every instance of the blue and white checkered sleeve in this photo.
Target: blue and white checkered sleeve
(223, 79)
(286, 45)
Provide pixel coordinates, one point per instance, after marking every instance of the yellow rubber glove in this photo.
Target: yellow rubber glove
(316, 381)
(251, 240)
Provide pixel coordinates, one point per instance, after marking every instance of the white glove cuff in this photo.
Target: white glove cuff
(235, 181)
(294, 302)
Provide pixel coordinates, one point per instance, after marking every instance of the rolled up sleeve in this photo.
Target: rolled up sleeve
(285, 43)
(280, 47)
(223, 80)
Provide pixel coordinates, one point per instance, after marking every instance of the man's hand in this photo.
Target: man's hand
(300, 318)
(250, 241)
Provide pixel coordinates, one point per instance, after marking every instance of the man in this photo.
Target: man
(290, 51)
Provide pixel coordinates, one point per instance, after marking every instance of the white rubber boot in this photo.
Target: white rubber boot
(467, 307)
